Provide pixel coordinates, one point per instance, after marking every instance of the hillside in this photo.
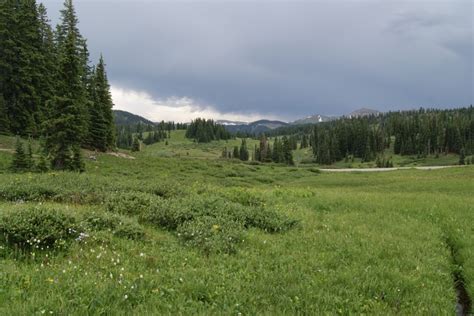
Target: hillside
(127, 118)
(257, 127)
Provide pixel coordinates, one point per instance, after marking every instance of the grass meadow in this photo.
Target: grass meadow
(177, 230)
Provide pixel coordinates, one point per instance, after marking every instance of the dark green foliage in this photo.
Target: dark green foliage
(462, 157)
(4, 121)
(29, 156)
(130, 203)
(77, 163)
(38, 228)
(211, 234)
(46, 86)
(20, 160)
(26, 192)
(204, 131)
(101, 127)
(21, 65)
(136, 144)
(243, 151)
(212, 223)
(304, 142)
(120, 226)
(236, 153)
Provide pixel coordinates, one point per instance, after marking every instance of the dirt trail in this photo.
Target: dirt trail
(387, 169)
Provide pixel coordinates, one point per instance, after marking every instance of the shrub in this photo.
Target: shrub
(120, 226)
(129, 230)
(26, 192)
(100, 221)
(194, 216)
(38, 228)
(129, 203)
(212, 234)
(267, 220)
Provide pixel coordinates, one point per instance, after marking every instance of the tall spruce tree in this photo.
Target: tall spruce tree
(67, 126)
(243, 151)
(20, 64)
(102, 126)
(47, 84)
(4, 121)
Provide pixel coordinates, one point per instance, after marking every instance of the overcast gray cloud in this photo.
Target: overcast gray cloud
(281, 59)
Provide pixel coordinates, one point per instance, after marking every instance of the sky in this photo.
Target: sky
(246, 60)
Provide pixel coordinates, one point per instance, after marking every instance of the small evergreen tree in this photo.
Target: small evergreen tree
(29, 156)
(462, 157)
(236, 153)
(77, 163)
(20, 161)
(136, 144)
(243, 152)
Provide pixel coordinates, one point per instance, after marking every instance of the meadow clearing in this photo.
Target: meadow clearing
(180, 231)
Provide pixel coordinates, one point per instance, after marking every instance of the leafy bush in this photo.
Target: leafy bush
(129, 203)
(38, 228)
(267, 220)
(129, 230)
(167, 190)
(194, 216)
(211, 234)
(101, 221)
(26, 192)
(120, 226)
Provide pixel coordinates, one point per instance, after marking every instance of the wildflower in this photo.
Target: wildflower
(125, 296)
(50, 280)
(142, 254)
(141, 276)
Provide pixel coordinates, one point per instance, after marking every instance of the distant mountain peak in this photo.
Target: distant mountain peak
(314, 119)
(362, 112)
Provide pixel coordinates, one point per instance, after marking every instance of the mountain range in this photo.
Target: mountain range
(257, 127)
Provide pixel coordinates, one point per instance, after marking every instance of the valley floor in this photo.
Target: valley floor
(364, 243)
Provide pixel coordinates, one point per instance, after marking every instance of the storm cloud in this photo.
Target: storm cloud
(280, 59)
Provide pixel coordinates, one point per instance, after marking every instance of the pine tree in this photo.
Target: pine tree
(19, 162)
(48, 66)
(136, 144)
(4, 121)
(236, 154)
(29, 156)
(67, 126)
(286, 148)
(243, 152)
(20, 64)
(77, 163)
(462, 157)
(102, 126)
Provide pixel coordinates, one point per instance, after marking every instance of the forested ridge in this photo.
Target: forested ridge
(422, 132)
(49, 89)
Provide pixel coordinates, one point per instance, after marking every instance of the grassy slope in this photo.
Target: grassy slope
(367, 243)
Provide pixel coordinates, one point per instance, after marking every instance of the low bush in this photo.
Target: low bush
(129, 203)
(38, 228)
(194, 216)
(100, 221)
(26, 192)
(211, 234)
(118, 225)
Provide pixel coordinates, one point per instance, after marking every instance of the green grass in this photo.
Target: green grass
(365, 243)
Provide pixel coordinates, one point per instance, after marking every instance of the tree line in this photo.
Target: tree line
(48, 87)
(279, 152)
(204, 131)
